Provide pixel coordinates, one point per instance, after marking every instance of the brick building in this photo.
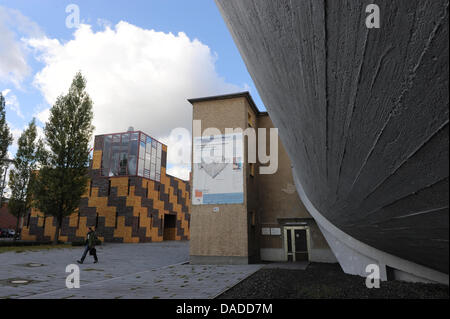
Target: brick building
(240, 216)
(129, 197)
(7, 220)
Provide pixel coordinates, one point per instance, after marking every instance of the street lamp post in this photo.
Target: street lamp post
(8, 161)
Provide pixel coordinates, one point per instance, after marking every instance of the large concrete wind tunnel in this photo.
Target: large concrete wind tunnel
(363, 114)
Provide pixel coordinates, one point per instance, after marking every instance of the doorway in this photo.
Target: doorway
(170, 224)
(296, 243)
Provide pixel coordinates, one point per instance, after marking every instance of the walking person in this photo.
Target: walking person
(90, 246)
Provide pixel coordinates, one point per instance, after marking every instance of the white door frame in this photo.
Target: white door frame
(293, 228)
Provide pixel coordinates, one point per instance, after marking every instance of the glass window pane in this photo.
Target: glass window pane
(147, 161)
(158, 166)
(141, 167)
(114, 164)
(159, 150)
(148, 148)
(125, 138)
(132, 156)
(106, 152)
(132, 162)
(116, 138)
(142, 150)
(125, 142)
(123, 163)
(152, 173)
(146, 173)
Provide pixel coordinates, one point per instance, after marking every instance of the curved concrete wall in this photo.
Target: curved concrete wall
(363, 113)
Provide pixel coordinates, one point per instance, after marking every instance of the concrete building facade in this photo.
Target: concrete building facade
(271, 223)
(129, 198)
(363, 114)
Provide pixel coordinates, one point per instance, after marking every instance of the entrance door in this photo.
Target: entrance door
(296, 243)
(170, 224)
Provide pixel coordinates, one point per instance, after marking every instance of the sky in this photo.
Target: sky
(141, 58)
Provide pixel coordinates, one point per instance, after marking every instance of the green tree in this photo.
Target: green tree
(62, 178)
(5, 141)
(20, 177)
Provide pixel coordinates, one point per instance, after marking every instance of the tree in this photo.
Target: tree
(5, 141)
(62, 178)
(20, 177)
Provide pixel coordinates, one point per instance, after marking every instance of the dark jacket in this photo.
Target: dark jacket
(91, 238)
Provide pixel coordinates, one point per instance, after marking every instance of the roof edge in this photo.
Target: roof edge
(245, 94)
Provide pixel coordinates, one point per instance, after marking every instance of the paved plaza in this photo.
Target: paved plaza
(146, 270)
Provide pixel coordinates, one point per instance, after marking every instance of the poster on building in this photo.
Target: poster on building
(218, 169)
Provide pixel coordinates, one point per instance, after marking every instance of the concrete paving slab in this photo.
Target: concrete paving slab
(138, 271)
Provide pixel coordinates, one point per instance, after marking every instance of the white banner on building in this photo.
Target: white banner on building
(218, 169)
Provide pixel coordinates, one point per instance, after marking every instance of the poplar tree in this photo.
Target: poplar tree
(62, 178)
(20, 177)
(5, 141)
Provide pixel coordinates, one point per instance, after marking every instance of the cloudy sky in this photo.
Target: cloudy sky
(142, 60)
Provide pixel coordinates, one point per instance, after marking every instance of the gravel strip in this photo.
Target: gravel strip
(326, 281)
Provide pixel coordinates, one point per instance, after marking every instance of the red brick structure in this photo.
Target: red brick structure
(6, 219)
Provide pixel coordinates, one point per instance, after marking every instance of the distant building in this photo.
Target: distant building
(129, 197)
(240, 216)
(7, 220)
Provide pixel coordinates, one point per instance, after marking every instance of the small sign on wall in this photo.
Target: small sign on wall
(265, 231)
(275, 231)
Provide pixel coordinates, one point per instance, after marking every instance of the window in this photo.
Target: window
(106, 154)
(131, 153)
(117, 217)
(252, 218)
(123, 163)
(90, 189)
(252, 169)
(249, 120)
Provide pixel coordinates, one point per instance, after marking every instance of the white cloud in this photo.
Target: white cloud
(136, 77)
(12, 102)
(13, 62)
(43, 115)
(15, 132)
(179, 152)
(179, 171)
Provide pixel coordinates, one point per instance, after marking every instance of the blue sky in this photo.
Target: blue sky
(32, 93)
